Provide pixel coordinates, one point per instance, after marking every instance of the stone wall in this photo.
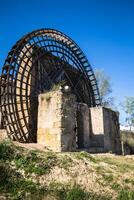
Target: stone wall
(111, 131)
(97, 127)
(65, 125)
(83, 125)
(105, 129)
(57, 120)
(3, 134)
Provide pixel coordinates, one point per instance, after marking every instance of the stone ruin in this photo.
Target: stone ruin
(67, 125)
(49, 95)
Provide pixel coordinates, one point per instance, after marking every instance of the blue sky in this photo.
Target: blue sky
(104, 29)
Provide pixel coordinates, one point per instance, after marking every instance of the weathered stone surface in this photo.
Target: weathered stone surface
(3, 134)
(65, 125)
(83, 125)
(105, 129)
(57, 120)
(112, 131)
(96, 127)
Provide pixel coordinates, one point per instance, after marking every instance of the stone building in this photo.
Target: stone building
(49, 95)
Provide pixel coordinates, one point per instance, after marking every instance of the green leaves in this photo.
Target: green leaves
(104, 84)
(129, 109)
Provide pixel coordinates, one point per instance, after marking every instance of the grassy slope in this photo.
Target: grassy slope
(33, 174)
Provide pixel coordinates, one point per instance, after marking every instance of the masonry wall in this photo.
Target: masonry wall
(3, 134)
(111, 130)
(105, 129)
(64, 124)
(83, 125)
(57, 120)
(96, 127)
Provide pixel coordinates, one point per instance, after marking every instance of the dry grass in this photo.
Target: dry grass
(64, 176)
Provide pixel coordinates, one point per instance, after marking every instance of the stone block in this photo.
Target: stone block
(57, 120)
(3, 134)
(83, 125)
(105, 129)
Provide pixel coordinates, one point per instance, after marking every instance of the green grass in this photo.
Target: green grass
(85, 155)
(108, 178)
(129, 181)
(15, 186)
(122, 164)
(77, 193)
(17, 165)
(7, 150)
(65, 192)
(118, 165)
(65, 162)
(33, 163)
(58, 190)
(29, 161)
(125, 194)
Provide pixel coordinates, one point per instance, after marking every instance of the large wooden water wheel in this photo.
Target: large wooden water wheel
(34, 65)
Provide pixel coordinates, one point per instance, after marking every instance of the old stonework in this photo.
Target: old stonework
(49, 95)
(66, 125)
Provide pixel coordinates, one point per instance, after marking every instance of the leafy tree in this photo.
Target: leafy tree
(129, 109)
(104, 84)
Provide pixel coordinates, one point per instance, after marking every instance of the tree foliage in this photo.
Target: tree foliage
(104, 84)
(129, 109)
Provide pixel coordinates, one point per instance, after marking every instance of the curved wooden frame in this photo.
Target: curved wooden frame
(61, 54)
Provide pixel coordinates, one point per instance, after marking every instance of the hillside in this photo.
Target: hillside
(27, 173)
